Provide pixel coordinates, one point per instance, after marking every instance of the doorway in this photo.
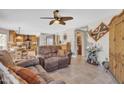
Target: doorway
(79, 43)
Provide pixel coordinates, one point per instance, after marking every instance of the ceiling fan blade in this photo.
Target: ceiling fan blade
(51, 22)
(62, 22)
(66, 18)
(46, 18)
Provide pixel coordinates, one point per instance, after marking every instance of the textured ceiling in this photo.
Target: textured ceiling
(30, 22)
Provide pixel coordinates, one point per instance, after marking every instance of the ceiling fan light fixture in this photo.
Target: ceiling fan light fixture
(56, 22)
(57, 19)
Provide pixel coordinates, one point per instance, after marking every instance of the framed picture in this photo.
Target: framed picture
(99, 32)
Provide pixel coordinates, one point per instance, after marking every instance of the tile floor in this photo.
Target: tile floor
(80, 72)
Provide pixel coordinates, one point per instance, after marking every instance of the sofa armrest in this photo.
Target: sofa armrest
(43, 73)
(41, 60)
(69, 54)
(28, 62)
(40, 56)
(57, 82)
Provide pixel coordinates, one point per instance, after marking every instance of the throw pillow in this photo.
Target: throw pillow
(28, 75)
(22, 81)
(60, 53)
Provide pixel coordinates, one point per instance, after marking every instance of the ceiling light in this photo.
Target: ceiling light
(56, 22)
(19, 37)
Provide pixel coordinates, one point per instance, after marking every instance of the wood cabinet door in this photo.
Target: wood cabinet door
(122, 73)
(118, 50)
(121, 67)
(122, 52)
(112, 49)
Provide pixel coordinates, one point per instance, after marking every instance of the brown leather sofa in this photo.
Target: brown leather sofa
(50, 60)
(36, 67)
(7, 61)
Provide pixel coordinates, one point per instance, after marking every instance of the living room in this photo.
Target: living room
(66, 46)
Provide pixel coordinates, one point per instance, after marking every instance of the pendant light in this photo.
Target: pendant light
(19, 37)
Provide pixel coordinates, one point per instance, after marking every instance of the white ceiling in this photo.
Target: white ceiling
(30, 22)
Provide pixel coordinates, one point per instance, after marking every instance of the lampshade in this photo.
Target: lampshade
(56, 22)
(19, 39)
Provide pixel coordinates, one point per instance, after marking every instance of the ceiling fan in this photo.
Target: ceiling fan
(57, 18)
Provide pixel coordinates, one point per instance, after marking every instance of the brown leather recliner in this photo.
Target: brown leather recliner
(50, 60)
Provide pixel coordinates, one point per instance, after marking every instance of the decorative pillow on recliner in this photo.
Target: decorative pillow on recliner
(28, 75)
(61, 53)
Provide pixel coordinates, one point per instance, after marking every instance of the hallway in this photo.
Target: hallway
(80, 72)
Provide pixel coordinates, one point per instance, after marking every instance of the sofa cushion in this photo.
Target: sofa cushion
(47, 55)
(53, 49)
(57, 82)
(41, 72)
(44, 50)
(63, 61)
(51, 64)
(6, 58)
(63, 58)
(52, 61)
(53, 54)
(44, 74)
(33, 69)
(21, 81)
(30, 76)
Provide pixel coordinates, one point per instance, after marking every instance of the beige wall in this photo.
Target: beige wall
(70, 38)
(103, 42)
(83, 48)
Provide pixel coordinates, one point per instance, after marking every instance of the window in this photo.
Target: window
(3, 41)
(50, 40)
